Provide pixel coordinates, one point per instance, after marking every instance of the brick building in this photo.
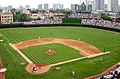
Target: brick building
(6, 18)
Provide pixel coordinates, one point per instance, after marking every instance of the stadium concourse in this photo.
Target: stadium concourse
(2, 76)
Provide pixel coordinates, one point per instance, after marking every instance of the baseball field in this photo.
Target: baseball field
(105, 41)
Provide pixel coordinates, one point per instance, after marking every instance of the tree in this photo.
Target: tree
(21, 17)
(119, 12)
(53, 11)
(38, 18)
(29, 18)
(67, 13)
(33, 11)
(43, 11)
(0, 10)
(106, 17)
(51, 17)
(13, 10)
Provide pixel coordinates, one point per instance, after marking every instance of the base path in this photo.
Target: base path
(60, 63)
(84, 48)
(72, 60)
(2, 75)
(99, 54)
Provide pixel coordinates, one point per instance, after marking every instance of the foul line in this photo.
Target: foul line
(72, 60)
(67, 61)
(28, 60)
(99, 54)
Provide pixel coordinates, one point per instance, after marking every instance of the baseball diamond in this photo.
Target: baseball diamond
(86, 51)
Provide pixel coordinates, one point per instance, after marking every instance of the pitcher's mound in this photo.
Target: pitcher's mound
(50, 52)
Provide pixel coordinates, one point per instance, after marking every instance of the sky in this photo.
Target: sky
(34, 3)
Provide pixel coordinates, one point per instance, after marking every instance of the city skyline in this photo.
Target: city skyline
(35, 3)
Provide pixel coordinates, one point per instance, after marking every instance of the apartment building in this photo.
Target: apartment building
(6, 18)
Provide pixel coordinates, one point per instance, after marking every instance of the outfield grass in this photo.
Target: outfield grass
(83, 68)
(37, 53)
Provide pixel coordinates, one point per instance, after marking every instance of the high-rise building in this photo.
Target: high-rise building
(99, 5)
(57, 6)
(46, 6)
(119, 8)
(61, 6)
(73, 7)
(27, 6)
(9, 7)
(112, 5)
(20, 8)
(0, 7)
(90, 5)
(106, 7)
(40, 7)
(77, 8)
(82, 7)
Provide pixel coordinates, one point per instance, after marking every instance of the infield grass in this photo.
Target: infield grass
(37, 53)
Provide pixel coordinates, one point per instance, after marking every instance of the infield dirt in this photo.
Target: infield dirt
(84, 48)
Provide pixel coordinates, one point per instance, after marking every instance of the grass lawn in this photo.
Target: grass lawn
(37, 53)
(83, 68)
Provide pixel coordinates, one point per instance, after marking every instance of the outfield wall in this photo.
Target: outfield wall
(2, 26)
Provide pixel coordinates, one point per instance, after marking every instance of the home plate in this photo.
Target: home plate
(3, 70)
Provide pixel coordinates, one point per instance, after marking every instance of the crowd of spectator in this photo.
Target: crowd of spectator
(85, 15)
(44, 21)
(95, 19)
(87, 18)
(112, 74)
(102, 23)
